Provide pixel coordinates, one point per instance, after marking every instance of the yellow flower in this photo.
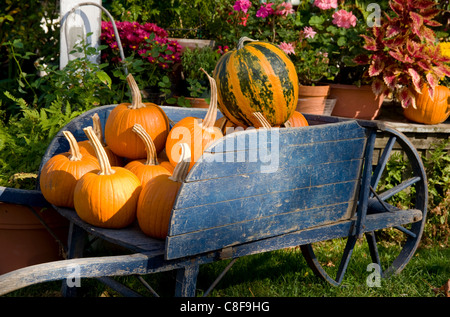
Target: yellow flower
(445, 48)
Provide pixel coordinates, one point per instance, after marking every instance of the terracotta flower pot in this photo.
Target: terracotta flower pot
(24, 241)
(312, 99)
(355, 102)
(198, 102)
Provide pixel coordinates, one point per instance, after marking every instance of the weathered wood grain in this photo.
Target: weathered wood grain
(236, 201)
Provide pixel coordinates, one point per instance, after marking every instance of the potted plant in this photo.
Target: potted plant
(403, 54)
(194, 86)
(335, 27)
(312, 66)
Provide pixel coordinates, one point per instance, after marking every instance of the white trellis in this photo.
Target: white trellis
(83, 20)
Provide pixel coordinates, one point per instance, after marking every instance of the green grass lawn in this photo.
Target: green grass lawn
(285, 273)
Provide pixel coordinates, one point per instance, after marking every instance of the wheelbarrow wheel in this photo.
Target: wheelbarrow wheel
(398, 181)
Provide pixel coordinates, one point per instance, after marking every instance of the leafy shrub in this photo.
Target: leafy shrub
(437, 166)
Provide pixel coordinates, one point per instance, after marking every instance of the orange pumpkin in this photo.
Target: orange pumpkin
(430, 110)
(106, 197)
(158, 196)
(195, 132)
(296, 120)
(60, 173)
(87, 146)
(118, 128)
(146, 169)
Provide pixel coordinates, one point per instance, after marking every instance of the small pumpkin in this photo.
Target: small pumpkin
(197, 133)
(430, 110)
(296, 120)
(158, 197)
(256, 77)
(60, 173)
(86, 145)
(106, 197)
(146, 169)
(118, 128)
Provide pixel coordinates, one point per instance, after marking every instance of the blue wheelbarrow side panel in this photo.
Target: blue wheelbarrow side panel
(230, 198)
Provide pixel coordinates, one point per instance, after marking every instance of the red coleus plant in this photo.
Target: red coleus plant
(402, 52)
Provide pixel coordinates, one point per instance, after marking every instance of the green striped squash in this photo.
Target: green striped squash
(256, 77)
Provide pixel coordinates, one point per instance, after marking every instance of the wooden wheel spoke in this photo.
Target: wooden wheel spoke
(383, 161)
(406, 231)
(396, 189)
(373, 249)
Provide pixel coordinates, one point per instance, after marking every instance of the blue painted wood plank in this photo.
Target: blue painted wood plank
(22, 197)
(216, 165)
(260, 206)
(215, 190)
(326, 232)
(252, 230)
(300, 135)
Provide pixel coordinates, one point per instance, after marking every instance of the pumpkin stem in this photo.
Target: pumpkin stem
(242, 40)
(261, 121)
(97, 126)
(149, 145)
(211, 115)
(136, 97)
(105, 166)
(182, 167)
(75, 154)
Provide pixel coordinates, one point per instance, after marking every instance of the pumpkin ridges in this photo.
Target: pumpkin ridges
(119, 137)
(158, 196)
(106, 197)
(194, 131)
(296, 120)
(224, 94)
(430, 111)
(146, 169)
(281, 89)
(86, 146)
(60, 173)
(257, 77)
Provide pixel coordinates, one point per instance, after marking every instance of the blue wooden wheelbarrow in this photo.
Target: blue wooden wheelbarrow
(253, 191)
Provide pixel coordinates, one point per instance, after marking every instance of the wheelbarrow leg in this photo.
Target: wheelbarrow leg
(76, 243)
(186, 281)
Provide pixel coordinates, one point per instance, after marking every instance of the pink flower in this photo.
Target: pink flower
(285, 8)
(326, 4)
(344, 19)
(309, 32)
(288, 48)
(242, 5)
(265, 10)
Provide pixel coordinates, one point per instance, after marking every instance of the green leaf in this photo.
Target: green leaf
(104, 77)
(342, 41)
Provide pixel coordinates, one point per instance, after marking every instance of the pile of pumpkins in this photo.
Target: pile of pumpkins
(137, 172)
